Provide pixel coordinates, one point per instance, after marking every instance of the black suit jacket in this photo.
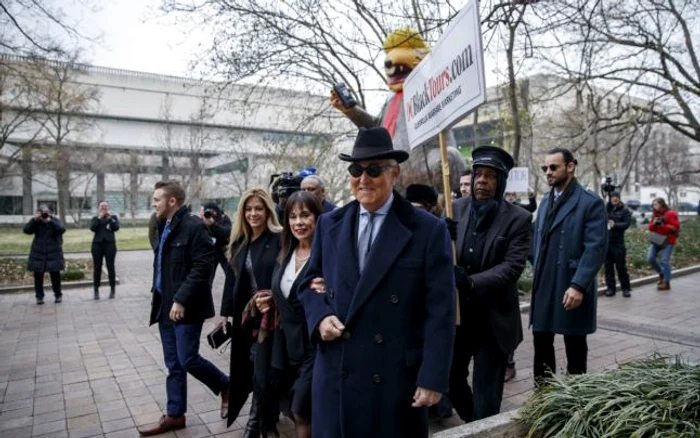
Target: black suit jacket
(187, 263)
(291, 312)
(502, 262)
(104, 228)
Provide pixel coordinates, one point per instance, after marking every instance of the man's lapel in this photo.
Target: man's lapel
(344, 231)
(389, 243)
(567, 208)
(499, 221)
(463, 223)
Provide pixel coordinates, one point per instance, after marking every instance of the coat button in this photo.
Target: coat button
(394, 299)
(331, 292)
(378, 338)
(377, 378)
(346, 335)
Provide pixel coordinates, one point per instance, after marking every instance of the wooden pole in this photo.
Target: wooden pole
(442, 137)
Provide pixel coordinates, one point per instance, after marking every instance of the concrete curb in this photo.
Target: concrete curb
(525, 307)
(64, 285)
(497, 426)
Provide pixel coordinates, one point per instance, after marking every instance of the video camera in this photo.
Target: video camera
(284, 185)
(44, 214)
(607, 186)
(209, 213)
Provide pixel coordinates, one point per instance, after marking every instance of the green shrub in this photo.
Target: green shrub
(654, 397)
(72, 275)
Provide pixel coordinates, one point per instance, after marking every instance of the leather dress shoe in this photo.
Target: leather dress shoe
(224, 403)
(165, 424)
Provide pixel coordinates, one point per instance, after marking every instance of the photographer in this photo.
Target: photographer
(104, 246)
(281, 189)
(220, 229)
(663, 234)
(619, 220)
(46, 254)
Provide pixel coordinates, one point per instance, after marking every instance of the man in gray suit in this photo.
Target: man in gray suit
(493, 242)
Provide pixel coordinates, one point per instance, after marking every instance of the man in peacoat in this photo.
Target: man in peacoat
(569, 245)
(493, 243)
(181, 302)
(384, 320)
(46, 253)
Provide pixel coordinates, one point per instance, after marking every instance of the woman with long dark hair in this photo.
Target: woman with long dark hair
(290, 364)
(104, 246)
(664, 222)
(253, 249)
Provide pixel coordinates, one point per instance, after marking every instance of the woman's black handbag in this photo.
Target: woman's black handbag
(217, 337)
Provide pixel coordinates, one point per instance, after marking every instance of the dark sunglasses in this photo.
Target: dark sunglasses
(552, 167)
(373, 170)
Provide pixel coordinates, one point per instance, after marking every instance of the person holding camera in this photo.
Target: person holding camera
(315, 185)
(619, 220)
(663, 235)
(220, 228)
(104, 245)
(46, 254)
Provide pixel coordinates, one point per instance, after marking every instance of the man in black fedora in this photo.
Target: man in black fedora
(493, 243)
(380, 304)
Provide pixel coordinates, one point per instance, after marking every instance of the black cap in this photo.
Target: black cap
(374, 144)
(212, 206)
(615, 194)
(421, 194)
(493, 157)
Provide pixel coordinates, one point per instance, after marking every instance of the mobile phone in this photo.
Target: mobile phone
(344, 95)
(217, 337)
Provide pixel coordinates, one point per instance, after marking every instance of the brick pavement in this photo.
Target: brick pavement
(94, 368)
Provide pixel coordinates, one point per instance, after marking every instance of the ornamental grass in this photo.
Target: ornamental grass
(654, 397)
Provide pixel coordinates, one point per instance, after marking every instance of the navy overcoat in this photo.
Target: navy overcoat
(399, 318)
(576, 250)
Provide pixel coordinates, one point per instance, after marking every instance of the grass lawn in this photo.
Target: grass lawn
(14, 241)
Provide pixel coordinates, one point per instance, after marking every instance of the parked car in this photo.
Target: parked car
(633, 204)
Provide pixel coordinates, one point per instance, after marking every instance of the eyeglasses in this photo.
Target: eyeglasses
(552, 167)
(373, 170)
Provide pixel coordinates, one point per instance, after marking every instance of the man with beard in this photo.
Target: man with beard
(493, 242)
(569, 245)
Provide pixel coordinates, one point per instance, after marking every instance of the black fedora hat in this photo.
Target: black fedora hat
(374, 144)
(493, 157)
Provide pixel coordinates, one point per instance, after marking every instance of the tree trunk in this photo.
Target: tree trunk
(62, 182)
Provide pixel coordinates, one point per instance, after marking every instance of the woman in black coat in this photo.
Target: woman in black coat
(104, 245)
(46, 254)
(291, 363)
(253, 249)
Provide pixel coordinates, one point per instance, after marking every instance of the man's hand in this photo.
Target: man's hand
(330, 328)
(318, 285)
(611, 223)
(37, 216)
(572, 298)
(425, 397)
(177, 312)
(337, 104)
(263, 303)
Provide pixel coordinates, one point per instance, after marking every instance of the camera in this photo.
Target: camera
(44, 215)
(208, 213)
(284, 185)
(607, 186)
(658, 222)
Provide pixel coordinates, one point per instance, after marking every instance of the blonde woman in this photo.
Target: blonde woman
(253, 249)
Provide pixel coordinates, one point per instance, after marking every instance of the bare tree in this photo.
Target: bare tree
(642, 48)
(64, 104)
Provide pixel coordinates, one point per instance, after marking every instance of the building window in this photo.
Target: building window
(80, 203)
(652, 195)
(683, 194)
(10, 205)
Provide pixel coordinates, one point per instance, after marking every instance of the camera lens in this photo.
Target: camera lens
(208, 214)
(44, 215)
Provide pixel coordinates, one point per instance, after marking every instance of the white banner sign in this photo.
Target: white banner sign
(518, 180)
(449, 82)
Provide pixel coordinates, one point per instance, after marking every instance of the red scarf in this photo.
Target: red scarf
(392, 113)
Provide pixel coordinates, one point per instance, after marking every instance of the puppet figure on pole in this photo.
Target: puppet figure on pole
(405, 49)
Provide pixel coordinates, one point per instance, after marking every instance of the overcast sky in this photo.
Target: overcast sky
(135, 38)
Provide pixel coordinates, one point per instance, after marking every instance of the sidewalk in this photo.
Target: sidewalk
(88, 368)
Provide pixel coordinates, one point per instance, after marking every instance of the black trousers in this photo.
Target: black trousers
(39, 284)
(108, 251)
(616, 259)
(545, 362)
(489, 371)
